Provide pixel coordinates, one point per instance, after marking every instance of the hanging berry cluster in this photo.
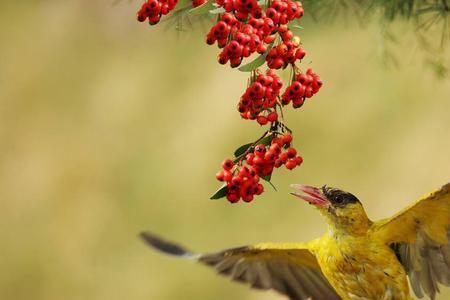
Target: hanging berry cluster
(303, 86)
(260, 98)
(243, 28)
(242, 176)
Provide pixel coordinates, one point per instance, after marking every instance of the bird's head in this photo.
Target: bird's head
(342, 210)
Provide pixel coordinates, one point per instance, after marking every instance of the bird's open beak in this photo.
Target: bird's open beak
(311, 195)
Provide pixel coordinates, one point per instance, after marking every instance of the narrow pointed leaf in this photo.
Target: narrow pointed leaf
(241, 150)
(266, 178)
(183, 4)
(219, 10)
(257, 62)
(220, 193)
(266, 141)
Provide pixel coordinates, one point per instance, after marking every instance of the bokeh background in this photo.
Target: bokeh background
(109, 127)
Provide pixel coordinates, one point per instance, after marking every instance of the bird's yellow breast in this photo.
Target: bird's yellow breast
(360, 268)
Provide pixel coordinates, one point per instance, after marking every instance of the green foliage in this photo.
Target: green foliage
(257, 62)
(220, 193)
(428, 19)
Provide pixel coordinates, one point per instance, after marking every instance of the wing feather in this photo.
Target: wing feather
(420, 235)
(290, 269)
(287, 268)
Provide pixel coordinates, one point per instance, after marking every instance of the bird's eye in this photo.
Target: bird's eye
(339, 199)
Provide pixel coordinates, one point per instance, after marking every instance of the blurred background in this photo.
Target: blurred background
(109, 127)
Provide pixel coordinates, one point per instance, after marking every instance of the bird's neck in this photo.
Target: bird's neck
(349, 226)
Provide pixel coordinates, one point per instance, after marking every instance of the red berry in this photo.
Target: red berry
(278, 163)
(243, 172)
(233, 198)
(282, 28)
(269, 39)
(267, 170)
(249, 158)
(287, 36)
(227, 164)
(275, 147)
(236, 180)
(153, 20)
(219, 176)
(300, 53)
(261, 49)
(276, 63)
(259, 189)
(291, 152)
(298, 102)
(258, 161)
(287, 138)
(227, 175)
(260, 150)
(248, 198)
(284, 157)
(141, 16)
(262, 120)
(270, 156)
(222, 59)
(290, 164)
(282, 49)
(277, 141)
(272, 117)
(235, 61)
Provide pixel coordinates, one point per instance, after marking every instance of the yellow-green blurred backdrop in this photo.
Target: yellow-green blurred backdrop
(109, 127)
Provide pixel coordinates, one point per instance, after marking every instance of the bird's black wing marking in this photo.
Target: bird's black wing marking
(426, 262)
(164, 246)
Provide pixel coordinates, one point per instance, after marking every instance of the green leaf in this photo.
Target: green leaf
(219, 10)
(202, 9)
(220, 193)
(183, 4)
(266, 178)
(241, 150)
(266, 141)
(257, 62)
(261, 2)
(295, 27)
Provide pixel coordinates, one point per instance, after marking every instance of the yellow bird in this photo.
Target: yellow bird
(356, 259)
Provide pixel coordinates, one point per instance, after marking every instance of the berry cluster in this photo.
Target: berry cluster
(245, 27)
(241, 8)
(283, 11)
(154, 9)
(261, 97)
(243, 180)
(265, 159)
(239, 39)
(303, 86)
(285, 53)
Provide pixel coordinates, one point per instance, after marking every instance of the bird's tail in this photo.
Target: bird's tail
(165, 246)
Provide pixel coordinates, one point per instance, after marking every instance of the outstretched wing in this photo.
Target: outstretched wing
(420, 237)
(287, 268)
